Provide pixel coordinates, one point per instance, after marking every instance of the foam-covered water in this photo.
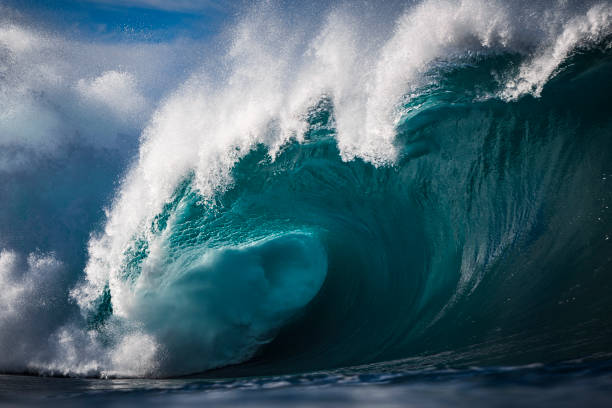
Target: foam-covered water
(353, 187)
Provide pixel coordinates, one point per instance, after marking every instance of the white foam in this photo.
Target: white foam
(579, 31)
(31, 289)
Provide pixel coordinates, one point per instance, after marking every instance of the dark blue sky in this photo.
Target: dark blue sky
(154, 20)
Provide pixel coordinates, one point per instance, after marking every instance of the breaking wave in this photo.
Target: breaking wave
(361, 189)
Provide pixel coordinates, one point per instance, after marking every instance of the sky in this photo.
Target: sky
(151, 20)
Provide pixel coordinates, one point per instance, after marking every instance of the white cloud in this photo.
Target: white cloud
(117, 91)
(57, 91)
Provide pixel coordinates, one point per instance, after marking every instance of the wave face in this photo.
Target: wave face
(438, 185)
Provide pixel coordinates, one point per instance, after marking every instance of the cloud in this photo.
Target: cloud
(115, 91)
(57, 91)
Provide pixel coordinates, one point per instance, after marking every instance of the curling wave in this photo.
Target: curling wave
(360, 195)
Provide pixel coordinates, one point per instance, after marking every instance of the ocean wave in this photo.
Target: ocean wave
(354, 195)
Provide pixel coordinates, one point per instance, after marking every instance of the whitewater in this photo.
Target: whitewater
(382, 190)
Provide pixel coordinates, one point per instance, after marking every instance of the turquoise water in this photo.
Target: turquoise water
(342, 263)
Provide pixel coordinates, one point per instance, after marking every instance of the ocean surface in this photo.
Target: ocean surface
(370, 210)
(393, 384)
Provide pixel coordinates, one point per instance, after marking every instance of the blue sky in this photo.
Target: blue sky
(154, 20)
